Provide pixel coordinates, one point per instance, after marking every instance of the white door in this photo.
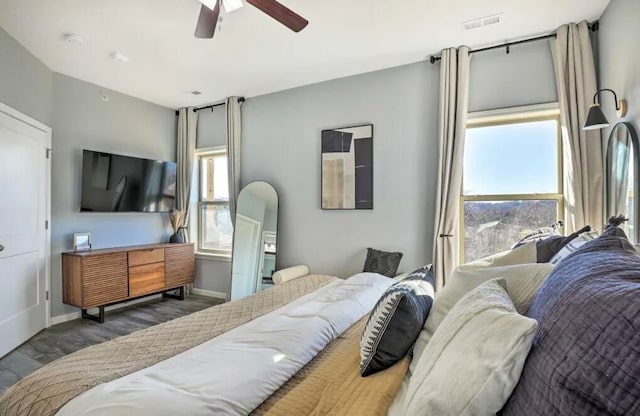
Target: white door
(246, 239)
(24, 206)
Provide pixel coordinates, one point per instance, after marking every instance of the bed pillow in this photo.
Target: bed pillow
(474, 359)
(522, 282)
(395, 322)
(573, 246)
(549, 247)
(540, 234)
(382, 262)
(585, 358)
(525, 253)
(290, 273)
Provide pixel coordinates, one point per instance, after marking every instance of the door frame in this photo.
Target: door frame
(13, 113)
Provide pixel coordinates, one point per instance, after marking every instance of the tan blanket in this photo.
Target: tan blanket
(331, 384)
(48, 389)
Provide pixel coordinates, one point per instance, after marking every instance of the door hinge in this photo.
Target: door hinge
(46, 295)
(46, 224)
(48, 153)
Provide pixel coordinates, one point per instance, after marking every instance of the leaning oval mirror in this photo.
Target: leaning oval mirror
(622, 185)
(254, 239)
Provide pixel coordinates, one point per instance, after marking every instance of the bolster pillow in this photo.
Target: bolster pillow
(290, 273)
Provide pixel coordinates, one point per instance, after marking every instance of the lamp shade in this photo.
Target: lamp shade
(595, 119)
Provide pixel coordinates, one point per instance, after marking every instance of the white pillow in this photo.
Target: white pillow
(574, 245)
(290, 273)
(474, 359)
(526, 253)
(522, 280)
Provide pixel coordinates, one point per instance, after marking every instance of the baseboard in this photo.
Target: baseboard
(75, 315)
(209, 293)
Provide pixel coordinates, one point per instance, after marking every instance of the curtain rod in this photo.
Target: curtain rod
(212, 106)
(594, 27)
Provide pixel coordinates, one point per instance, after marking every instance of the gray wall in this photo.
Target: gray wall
(281, 145)
(213, 275)
(26, 84)
(619, 59)
(522, 77)
(123, 125)
(211, 127)
(81, 120)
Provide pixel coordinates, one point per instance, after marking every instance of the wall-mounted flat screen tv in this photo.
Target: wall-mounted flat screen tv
(116, 183)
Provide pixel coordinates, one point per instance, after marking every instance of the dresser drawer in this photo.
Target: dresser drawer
(180, 263)
(104, 279)
(139, 257)
(145, 279)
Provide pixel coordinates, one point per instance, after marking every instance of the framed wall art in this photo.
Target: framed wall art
(347, 168)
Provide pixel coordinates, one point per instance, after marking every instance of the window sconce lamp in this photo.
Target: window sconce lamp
(596, 119)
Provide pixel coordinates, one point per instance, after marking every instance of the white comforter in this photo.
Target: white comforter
(234, 373)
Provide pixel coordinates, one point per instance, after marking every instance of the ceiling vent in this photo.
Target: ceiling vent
(483, 22)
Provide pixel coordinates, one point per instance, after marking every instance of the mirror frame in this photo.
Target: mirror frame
(233, 246)
(633, 135)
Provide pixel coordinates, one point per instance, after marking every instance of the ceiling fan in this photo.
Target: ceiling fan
(210, 12)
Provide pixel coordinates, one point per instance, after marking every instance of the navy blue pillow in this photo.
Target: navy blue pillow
(585, 358)
(396, 321)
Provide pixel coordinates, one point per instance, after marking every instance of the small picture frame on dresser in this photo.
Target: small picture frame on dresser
(81, 241)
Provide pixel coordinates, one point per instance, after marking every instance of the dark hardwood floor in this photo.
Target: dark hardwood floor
(63, 339)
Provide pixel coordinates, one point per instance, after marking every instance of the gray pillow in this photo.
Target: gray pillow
(395, 322)
(382, 262)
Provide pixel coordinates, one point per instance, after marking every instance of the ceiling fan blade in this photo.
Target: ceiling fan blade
(207, 21)
(281, 13)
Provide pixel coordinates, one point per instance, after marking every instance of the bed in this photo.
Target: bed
(127, 375)
(294, 349)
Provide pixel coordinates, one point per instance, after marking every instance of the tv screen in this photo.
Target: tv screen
(115, 183)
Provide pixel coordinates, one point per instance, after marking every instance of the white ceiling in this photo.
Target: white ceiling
(255, 55)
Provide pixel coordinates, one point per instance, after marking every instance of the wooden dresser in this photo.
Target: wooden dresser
(97, 278)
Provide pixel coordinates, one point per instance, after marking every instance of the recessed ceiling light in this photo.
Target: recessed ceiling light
(73, 38)
(120, 57)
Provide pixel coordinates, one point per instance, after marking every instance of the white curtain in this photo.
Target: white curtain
(234, 151)
(186, 147)
(583, 156)
(454, 102)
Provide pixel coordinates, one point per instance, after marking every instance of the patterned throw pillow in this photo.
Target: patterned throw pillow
(382, 262)
(396, 321)
(550, 246)
(573, 246)
(540, 234)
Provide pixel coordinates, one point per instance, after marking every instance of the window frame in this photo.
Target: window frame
(506, 116)
(199, 203)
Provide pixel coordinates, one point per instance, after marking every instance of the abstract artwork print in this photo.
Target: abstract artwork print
(347, 168)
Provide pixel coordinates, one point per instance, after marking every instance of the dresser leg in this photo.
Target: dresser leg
(98, 318)
(179, 296)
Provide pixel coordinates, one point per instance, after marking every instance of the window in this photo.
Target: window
(512, 179)
(215, 232)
